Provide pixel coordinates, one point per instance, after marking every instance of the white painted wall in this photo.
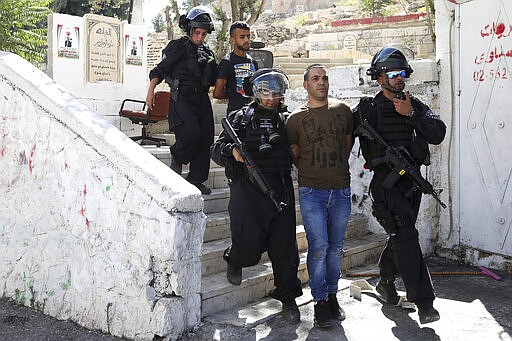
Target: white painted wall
(92, 227)
(477, 161)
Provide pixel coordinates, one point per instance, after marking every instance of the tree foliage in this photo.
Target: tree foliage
(71, 7)
(109, 8)
(374, 7)
(158, 23)
(23, 28)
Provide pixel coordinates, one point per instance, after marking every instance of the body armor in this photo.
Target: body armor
(394, 129)
(189, 71)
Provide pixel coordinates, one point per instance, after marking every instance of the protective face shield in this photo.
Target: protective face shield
(269, 85)
(197, 17)
(390, 57)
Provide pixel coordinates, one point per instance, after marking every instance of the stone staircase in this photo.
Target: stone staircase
(295, 67)
(361, 247)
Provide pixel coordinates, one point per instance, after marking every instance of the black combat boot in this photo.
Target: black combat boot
(386, 289)
(291, 311)
(336, 311)
(323, 315)
(203, 189)
(234, 274)
(426, 311)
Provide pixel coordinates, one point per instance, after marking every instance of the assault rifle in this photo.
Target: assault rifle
(254, 172)
(400, 162)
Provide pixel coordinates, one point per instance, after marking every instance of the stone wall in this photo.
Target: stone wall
(92, 227)
(323, 41)
(297, 6)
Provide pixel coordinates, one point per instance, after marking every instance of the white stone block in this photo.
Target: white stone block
(344, 77)
(425, 70)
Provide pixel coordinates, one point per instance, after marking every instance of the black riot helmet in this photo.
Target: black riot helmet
(390, 57)
(197, 17)
(266, 82)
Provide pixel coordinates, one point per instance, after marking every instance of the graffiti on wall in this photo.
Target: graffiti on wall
(491, 64)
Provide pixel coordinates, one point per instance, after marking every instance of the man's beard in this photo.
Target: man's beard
(243, 48)
(397, 89)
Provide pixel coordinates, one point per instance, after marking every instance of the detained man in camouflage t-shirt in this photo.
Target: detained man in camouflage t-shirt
(320, 137)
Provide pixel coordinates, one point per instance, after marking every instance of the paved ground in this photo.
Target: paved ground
(471, 307)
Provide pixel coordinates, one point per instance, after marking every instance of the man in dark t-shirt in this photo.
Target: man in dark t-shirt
(320, 137)
(234, 67)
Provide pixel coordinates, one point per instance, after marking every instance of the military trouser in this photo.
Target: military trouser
(191, 120)
(257, 226)
(402, 255)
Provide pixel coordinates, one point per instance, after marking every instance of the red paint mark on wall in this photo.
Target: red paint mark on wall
(493, 55)
(363, 21)
(2, 152)
(83, 208)
(493, 63)
(30, 163)
(500, 30)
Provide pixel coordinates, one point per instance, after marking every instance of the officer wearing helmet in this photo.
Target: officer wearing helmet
(188, 66)
(402, 120)
(256, 224)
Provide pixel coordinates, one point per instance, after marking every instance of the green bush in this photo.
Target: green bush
(300, 20)
(23, 28)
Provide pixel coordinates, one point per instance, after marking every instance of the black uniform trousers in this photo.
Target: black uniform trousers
(402, 254)
(257, 226)
(191, 120)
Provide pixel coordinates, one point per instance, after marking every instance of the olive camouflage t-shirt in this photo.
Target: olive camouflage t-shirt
(321, 134)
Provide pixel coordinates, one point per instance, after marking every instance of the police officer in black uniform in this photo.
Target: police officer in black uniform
(257, 225)
(188, 66)
(402, 120)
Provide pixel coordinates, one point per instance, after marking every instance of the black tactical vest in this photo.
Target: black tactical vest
(259, 124)
(188, 70)
(393, 127)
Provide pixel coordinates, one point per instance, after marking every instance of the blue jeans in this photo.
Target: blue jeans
(325, 216)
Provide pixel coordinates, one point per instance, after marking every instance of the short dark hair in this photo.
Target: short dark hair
(312, 66)
(238, 24)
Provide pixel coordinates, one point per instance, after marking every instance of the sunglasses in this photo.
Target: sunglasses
(394, 74)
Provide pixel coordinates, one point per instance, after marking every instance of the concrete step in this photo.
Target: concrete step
(218, 294)
(283, 60)
(163, 154)
(214, 246)
(299, 68)
(211, 257)
(218, 200)
(216, 178)
(217, 225)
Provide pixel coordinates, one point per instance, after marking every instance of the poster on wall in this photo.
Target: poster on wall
(103, 49)
(68, 41)
(133, 49)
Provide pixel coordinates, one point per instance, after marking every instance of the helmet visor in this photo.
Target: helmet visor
(198, 10)
(271, 85)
